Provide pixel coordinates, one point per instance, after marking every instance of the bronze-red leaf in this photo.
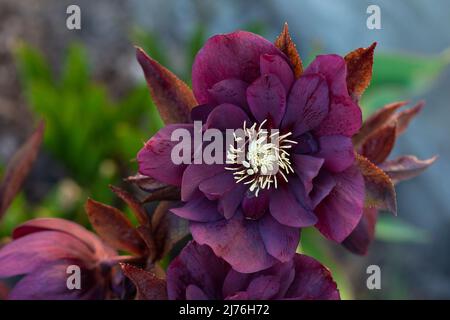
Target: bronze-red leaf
(380, 143)
(287, 46)
(380, 192)
(376, 121)
(19, 167)
(173, 98)
(148, 286)
(114, 228)
(406, 167)
(359, 70)
(137, 208)
(167, 193)
(403, 118)
(146, 233)
(167, 228)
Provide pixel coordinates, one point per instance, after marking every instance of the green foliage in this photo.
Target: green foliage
(92, 136)
(150, 43)
(195, 43)
(399, 77)
(393, 229)
(17, 213)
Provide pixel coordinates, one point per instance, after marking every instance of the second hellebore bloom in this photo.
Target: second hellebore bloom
(197, 274)
(249, 217)
(43, 249)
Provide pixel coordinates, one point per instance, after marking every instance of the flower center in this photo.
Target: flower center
(259, 159)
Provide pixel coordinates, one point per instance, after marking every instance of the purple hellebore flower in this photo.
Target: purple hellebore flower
(248, 217)
(198, 274)
(41, 251)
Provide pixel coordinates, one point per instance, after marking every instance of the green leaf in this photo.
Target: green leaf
(76, 69)
(150, 43)
(408, 71)
(195, 43)
(258, 27)
(17, 214)
(392, 229)
(401, 76)
(32, 65)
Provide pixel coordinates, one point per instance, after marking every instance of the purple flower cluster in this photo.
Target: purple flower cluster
(247, 216)
(198, 274)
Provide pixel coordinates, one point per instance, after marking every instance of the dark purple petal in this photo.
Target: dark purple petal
(155, 157)
(312, 281)
(281, 241)
(341, 210)
(235, 282)
(267, 99)
(308, 104)
(323, 184)
(199, 209)
(285, 208)
(307, 168)
(360, 239)
(199, 274)
(344, 115)
(227, 116)
(263, 288)
(230, 201)
(196, 265)
(232, 91)
(286, 274)
(230, 56)
(283, 273)
(195, 293)
(196, 174)
(30, 252)
(344, 118)
(68, 227)
(306, 144)
(334, 69)
(298, 190)
(201, 112)
(215, 187)
(337, 151)
(255, 207)
(276, 65)
(239, 296)
(237, 241)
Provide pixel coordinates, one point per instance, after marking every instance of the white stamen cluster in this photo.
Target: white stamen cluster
(260, 158)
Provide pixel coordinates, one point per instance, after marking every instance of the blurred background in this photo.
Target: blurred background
(90, 91)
